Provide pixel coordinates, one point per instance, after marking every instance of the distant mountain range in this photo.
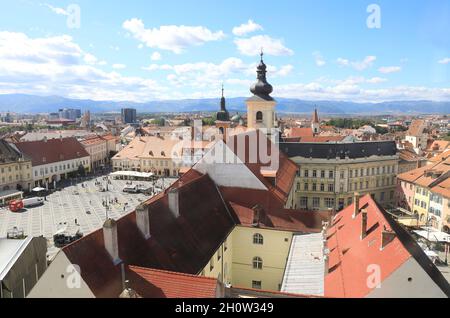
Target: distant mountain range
(45, 104)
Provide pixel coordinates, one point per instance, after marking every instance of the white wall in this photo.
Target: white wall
(232, 174)
(56, 280)
(398, 286)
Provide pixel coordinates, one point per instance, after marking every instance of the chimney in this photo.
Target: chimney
(143, 220)
(355, 204)
(111, 240)
(258, 215)
(174, 202)
(386, 238)
(363, 224)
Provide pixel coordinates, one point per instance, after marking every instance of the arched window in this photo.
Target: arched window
(258, 239)
(259, 116)
(257, 262)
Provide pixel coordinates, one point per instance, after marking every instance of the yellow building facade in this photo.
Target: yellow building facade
(251, 258)
(324, 184)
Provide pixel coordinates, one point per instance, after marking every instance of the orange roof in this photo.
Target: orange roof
(153, 283)
(438, 145)
(408, 155)
(428, 175)
(416, 128)
(296, 132)
(287, 169)
(321, 138)
(92, 141)
(440, 157)
(53, 150)
(350, 256)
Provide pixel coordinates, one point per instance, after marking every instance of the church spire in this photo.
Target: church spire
(222, 101)
(262, 88)
(223, 114)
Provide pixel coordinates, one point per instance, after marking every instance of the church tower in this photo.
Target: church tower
(315, 123)
(261, 106)
(223, 122)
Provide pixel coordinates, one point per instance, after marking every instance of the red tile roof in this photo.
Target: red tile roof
(256, 141)
(185, 244)
(53, 150)
(282, 219)
(152, 283)
(416, 128)
(296, 132)
(350, 256)
(321, 138)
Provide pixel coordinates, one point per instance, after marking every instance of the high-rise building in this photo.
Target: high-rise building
(68, 113)
(129, 115)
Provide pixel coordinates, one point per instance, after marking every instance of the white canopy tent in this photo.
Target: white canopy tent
(38, 189)
(433, 235)
(135, 174)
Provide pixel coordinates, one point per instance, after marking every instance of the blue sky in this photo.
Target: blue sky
(145, 50)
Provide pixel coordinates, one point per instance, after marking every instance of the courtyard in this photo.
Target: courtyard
(83, 202)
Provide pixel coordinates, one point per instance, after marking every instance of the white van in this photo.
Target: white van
(31, 202)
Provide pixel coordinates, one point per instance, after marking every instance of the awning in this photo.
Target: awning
(433, 235)
(132, 174)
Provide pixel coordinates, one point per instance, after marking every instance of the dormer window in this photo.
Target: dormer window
(44, 159)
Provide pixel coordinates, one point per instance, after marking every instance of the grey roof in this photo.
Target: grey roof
(341, 150)
(305, 268)
(8, 153)
(10, 250)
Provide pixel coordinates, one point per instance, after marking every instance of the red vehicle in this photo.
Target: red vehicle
(16, 205)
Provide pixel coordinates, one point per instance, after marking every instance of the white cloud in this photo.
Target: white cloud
(444, 61)
(252, 46)
(349, 92)
(389, 69)
(171, 37)
(58, 66)
(246, 28)
(204, 74)
(59, 11)
(285, 70)
(156, 56)
(357, 65)
(376, 80)
(320, 61)
(119, 66)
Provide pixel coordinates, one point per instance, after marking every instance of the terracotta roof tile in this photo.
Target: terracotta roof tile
(350, 256)
(53, 150)
(184, 244)
(152, 283)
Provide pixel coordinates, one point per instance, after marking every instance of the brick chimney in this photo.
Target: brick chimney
(143, 220)
(363, 224)
(111, 240)
(355, 204)
(386, 238)
(174, 202)
(258, 215)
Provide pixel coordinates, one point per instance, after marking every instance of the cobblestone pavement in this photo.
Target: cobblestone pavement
(73, 202)
(445, 270)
